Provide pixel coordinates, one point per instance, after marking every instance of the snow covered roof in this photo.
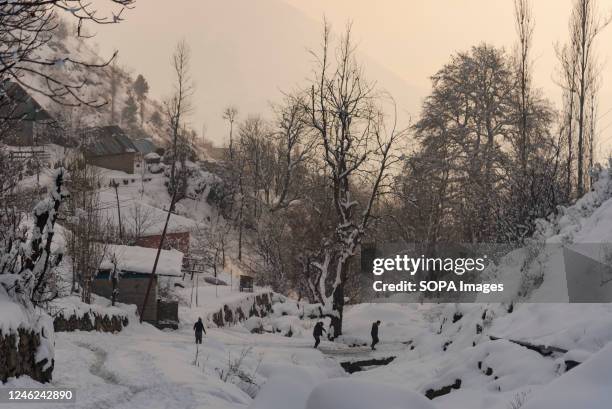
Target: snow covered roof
(138, 215)
(140, 260)
(107, 140)
(152, 155)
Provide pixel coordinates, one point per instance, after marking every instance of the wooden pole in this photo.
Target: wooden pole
(159, 248)
(197, 289)
(116, 186)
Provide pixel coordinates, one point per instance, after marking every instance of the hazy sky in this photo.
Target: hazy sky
(411, 38)
(414, 38)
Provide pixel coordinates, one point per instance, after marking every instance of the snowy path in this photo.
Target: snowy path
(142, 367)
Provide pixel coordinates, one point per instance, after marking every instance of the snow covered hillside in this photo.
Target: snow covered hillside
(520, 354)
(537, 272)
(99, 86)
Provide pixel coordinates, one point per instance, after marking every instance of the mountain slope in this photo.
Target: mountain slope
(96, 89)
(243, 53)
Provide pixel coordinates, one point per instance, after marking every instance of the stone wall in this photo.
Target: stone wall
(256, 305)
(18, 357)
(102, 323)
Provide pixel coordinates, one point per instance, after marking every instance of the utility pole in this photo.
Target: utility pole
(116, 186)
(159, 248)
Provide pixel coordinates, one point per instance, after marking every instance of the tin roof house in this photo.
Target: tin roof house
(109, 147)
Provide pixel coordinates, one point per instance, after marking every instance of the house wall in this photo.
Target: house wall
(21, 133)
(123, 162)
(179, 241)
(31, 133)
(132, 290)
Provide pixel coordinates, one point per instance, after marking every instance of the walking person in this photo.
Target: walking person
(374, 334)
(198, 327)
(317, 333)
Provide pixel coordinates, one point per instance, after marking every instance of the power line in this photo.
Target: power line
(604, 128)
(603, 115)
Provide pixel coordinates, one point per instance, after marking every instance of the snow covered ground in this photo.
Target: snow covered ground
(143, 367)
(465, 356)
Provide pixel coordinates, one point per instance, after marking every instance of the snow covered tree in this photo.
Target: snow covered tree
(27, 259)
(464, 124)
(487, 165)
(342, 109)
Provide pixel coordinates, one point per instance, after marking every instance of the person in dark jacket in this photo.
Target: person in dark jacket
(199, 329)
(317, 333)
(374, 334)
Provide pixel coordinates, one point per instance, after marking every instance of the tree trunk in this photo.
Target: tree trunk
(338, 308)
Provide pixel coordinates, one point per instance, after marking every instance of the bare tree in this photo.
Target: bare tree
(211, 243)
(585, 26)
(140, 219)
(27, 26)
(567, 81)
(229, 114)
(355, 144)
(87, 235)
(524, 28)
(178, 106)
(295, 146)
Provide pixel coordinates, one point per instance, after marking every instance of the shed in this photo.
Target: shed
(109, 147)
(152, 158)
(135, 265)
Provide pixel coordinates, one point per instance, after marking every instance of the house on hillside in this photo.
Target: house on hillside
(109, 147)
(178, 234)
(29, 123)
(134, 265)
